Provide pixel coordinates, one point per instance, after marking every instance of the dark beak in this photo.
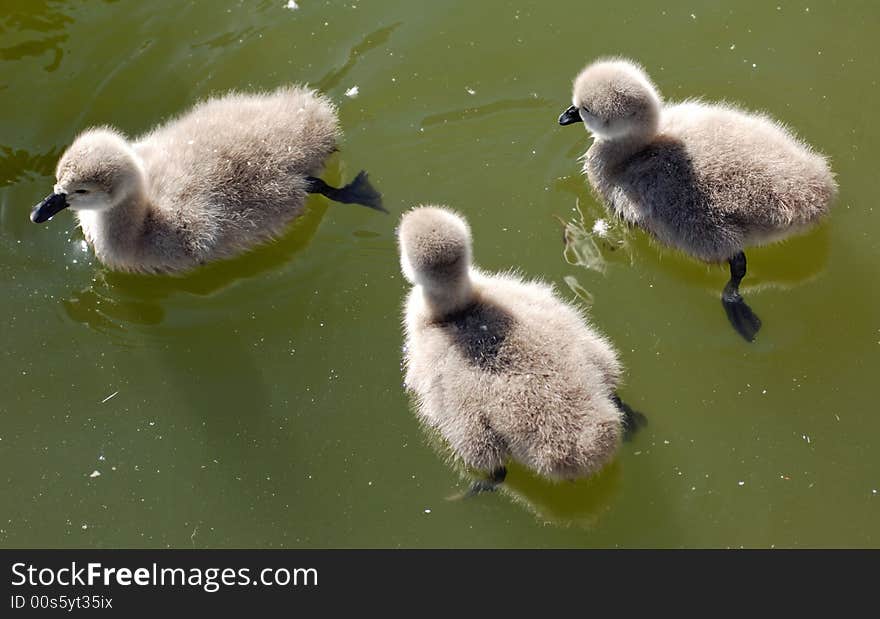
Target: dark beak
(570, 116)
(49, 207)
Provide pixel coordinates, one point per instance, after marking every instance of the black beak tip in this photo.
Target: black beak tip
(49, 207)
(570, 116)
(38, 216)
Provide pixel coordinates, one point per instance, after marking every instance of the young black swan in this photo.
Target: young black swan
(709, 179)
(501, 367)
(231, 173)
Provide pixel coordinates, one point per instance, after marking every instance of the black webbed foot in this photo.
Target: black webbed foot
(633, 420)
(738, 312)
(359, 191)
(740, 315)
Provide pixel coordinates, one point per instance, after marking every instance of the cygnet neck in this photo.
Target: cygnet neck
(449, 298)
(117, 232)
(617, 149)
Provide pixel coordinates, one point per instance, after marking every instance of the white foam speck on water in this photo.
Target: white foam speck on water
(740, 483)
(84, 527)
(292, 5)
(470, 90)
(94, 474)
(352, 92)
(600, 228)
(427, 511)
(109, 397)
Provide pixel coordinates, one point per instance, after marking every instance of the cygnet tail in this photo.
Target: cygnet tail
(358, 191)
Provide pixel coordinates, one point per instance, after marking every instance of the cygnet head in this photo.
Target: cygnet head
(435, 253)
(615, 99)
(97, 172)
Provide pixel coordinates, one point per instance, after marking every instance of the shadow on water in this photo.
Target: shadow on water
(219, 389)
(371, 41)
(224, 39)
(480, 111)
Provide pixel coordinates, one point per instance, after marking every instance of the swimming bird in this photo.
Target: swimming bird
(229, 174)
(501, 367)
(707, 178)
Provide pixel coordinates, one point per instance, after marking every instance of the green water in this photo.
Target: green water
(258, 402)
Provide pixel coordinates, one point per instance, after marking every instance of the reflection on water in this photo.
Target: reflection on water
(37, 48)
(16, 164)
(578, 503)
(98, 308)
(43, 16)
(579, 291)
(37, 15)
(117, 300)
(580, 248)
(587, 241)
(789, 264)
(786, 265)
(593, 236)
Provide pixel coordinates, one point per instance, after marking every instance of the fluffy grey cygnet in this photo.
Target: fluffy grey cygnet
(230, 174)
(707, 178)
(501, 367)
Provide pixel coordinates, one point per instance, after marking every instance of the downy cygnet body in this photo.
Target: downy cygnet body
(501, 367)
(230, 174)
(707, 178)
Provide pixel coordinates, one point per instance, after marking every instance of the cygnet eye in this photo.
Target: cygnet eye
(81, 191)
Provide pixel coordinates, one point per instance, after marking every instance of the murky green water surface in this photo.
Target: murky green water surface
(258, 402)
